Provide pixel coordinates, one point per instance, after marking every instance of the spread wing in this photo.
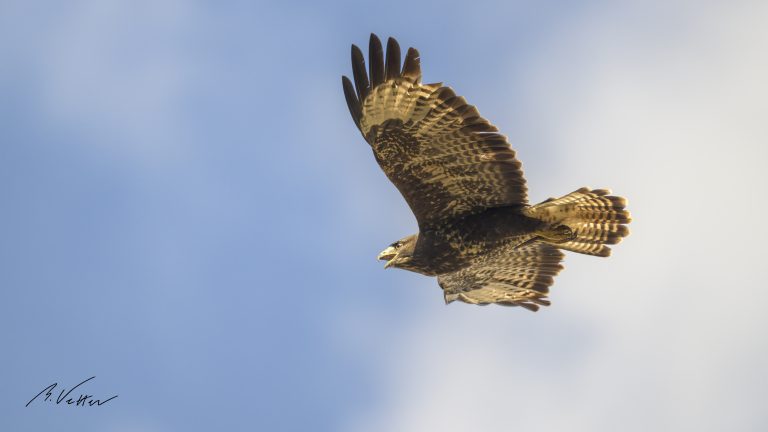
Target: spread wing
(509, 276)
(446, 160)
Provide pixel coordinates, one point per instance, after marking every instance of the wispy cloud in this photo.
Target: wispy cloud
(114, 72)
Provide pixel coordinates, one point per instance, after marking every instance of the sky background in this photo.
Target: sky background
(188, 213)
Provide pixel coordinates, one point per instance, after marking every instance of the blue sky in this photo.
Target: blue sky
(189, 214)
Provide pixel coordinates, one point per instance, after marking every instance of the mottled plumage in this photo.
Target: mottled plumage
(462, 181)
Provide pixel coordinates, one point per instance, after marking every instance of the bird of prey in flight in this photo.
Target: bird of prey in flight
(477, 232)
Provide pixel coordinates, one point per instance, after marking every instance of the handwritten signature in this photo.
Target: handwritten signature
(82, 400)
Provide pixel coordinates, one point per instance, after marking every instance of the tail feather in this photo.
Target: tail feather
(596, 218)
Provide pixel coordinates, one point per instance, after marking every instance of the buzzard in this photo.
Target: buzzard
(460, 177)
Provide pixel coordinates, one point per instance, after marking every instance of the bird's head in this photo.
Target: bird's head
(399, 253)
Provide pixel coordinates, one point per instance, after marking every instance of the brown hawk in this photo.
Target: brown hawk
(461, 179)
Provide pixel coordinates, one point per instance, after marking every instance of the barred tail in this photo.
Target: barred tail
(595, 217)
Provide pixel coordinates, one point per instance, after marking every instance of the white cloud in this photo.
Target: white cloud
(666, 104)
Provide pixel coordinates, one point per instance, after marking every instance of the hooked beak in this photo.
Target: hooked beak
(388, 254)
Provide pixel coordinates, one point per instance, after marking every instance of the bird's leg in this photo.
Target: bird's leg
(557, 234)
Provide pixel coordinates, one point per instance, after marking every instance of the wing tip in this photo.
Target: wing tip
(376, 61)
(393, 66)
(412, 65)
(352, 102)
(359, 73)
